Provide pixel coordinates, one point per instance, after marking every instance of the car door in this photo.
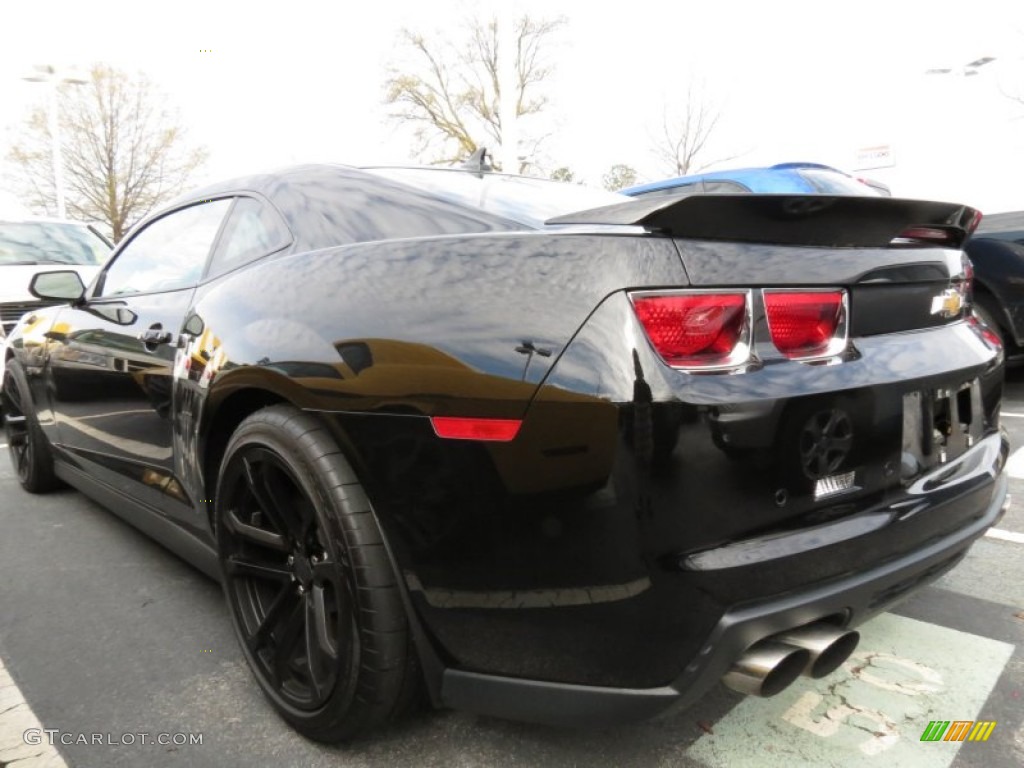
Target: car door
(112, 358)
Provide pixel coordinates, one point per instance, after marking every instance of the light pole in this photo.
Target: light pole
(508, 65)
(46, 73)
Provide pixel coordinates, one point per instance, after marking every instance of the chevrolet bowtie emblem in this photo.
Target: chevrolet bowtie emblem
(948, 303)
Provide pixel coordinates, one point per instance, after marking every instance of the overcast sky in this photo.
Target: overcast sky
(295, 81)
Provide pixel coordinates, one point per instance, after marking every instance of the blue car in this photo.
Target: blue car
(784, 178)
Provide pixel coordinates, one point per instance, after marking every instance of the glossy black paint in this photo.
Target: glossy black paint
(836, 221)
(639, 510)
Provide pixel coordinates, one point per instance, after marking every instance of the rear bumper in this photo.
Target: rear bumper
(857, 597)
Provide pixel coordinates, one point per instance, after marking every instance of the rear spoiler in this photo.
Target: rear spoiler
(822, 220)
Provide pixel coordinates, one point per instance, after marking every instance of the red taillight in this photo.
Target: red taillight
(928, 236)
(695, 330)
(976, 218)
(458, 428)
(805, 324)
(989, 335)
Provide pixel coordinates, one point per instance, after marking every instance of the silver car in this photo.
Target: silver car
(30, 246)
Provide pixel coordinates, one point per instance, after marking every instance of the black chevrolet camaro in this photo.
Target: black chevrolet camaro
(533, 450)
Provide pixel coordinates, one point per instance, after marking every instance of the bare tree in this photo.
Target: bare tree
(124, 151)
(619, 176)
(681, 147)
(453, 98)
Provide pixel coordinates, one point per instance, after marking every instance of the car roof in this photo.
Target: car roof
(260, 182)
(781, 177)
(41, 220)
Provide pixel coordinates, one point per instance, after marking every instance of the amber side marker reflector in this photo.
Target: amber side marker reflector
(458, 428)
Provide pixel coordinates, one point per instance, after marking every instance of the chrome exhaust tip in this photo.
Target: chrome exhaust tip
(829, 646)
(766, 668)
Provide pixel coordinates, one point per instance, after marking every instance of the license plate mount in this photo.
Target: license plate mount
(939, 425)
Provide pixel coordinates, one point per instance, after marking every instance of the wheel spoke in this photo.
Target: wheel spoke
(14, 396)
(239, 567)
(256, 535)
(23, 457)
(281, 507)
(306, 516)
(830, 424)
(822, 464)
(318, 600)
(19, 462)
(276, 613)
(320, 651)
(286, 640)
(272, 501)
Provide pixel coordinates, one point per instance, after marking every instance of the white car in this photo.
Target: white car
(31, 246)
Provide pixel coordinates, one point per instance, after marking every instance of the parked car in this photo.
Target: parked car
(784, 178)
(542, 452)
(997, 252)
(26, 245)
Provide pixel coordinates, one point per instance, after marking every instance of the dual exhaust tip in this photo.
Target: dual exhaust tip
(773, 664)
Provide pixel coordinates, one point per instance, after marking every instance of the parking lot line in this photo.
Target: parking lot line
(871, 712)
(1015, 464)
(1013, 415)
(17, 720)
(999, 533)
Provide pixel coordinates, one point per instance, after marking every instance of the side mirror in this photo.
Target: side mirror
(64, 285)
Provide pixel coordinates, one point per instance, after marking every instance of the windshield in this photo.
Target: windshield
(37, 242)
(521, 199)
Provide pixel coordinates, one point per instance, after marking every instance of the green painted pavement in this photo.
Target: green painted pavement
(872, 711)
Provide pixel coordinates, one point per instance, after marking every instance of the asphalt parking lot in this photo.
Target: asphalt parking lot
(105, 634)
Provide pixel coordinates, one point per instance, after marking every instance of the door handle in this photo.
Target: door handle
(155, 335)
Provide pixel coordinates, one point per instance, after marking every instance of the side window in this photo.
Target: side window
(253, 230)
(168, 254)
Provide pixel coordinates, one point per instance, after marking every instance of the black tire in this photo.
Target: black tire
(310, 586)
(30, 451)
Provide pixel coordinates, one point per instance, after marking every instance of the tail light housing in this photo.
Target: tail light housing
(807, 324)
(696, 330)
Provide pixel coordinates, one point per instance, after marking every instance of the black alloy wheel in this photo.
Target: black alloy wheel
(29, 449)
(287, 586)
(311, 589)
